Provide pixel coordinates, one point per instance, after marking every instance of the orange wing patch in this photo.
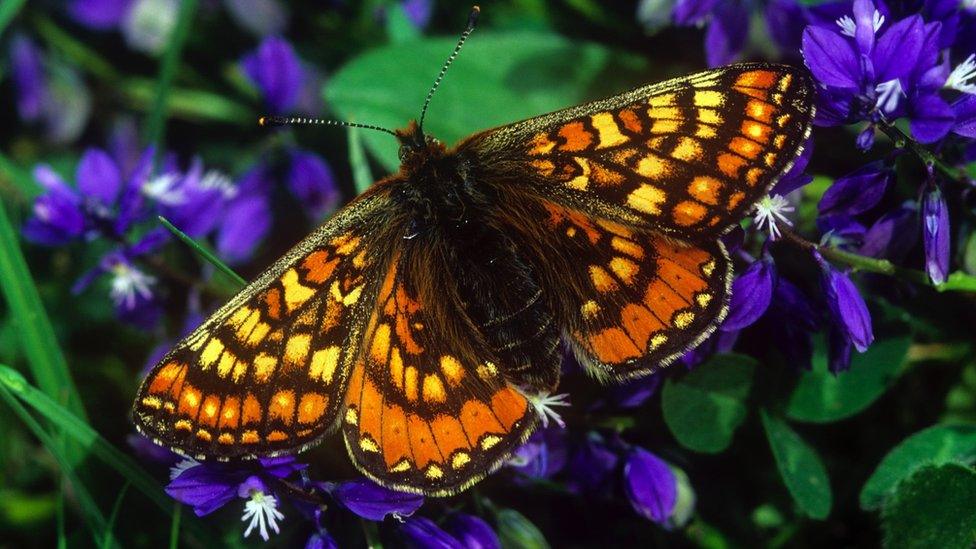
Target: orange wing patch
(261, 376)
(424, 412)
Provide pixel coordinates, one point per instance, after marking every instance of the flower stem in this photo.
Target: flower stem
(930, 159)
(860, 262)
(203, 251)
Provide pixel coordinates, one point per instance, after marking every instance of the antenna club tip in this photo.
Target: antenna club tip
(263, 121)
(473, 16)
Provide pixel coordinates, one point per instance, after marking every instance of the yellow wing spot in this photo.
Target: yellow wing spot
(705, 189)
(226, 438)
(709, 98)
(489, 440)
(657, 340)
(571, 232)
(602, 280)
(705, 132)
(169, 407)
(282, 405)
(183, 425)
(295, 293)
(396, 367)
(541, 145)
(204, 435)
(245, 325)
(783, 120)
(664, 112)
(688, 148)
(353, 296)
(434, 472)
(665, 126)
(368, 445)
(647, 199)
(784, 82)
(628, 247)
(257, 334)
(756, 130)
(324, 363)
(487, 371)
(758, 110)
(625, 269)
(434, 389)
(779, 141)
(688, 213)
(580, 181)
(753, 176)
(460, 459)
(709, 116)
(211, 353)
(401, 466)
(348, 246)
(590, 309)
(296, 349)
(410, 383)
(708, 268)
(703, 299)
(210, 409)
(229, 413)
(606, 126)
(250, 437)
(351, 417)
(191, 397)
(152, 402)
(664, 100)
(360, 260)
(654, 167)
(264, 366)
(770, 159)
(380, 345)
(544, 167)
(452, 370)
(683, 319)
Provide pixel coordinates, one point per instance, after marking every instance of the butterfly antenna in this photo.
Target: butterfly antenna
(302, 121)
(472, 20)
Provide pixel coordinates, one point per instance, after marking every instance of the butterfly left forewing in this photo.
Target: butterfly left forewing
(264, 374)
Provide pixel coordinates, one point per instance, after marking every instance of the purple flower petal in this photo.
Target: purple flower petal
(98, 177)
(421, 532)
(831, 58)
(206, 488)
(418, 11)
(651, 486)
(57, 216)
(838, 350)
(796, 178)
(591, 467)
(864, 25)
(634, 393)
(856, 192)
(321, 540)
(846, 306)
(965, 116)
(374, 502)
(930, 118)
(277, 72)
(935, 235)
(30, 82)
(893, 235)
(245, 223)
(472, 532)
(691, 12)
(312, 182)
(751, 294)
(543, 455)
(785, 21)
(281, 466)
(726, 34)
(898, 48)
(99, 14)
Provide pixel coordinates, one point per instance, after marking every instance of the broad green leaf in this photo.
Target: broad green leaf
(822, 397)
(705, 407)
(516, 531)
(800, 467)
(498, 78)
(935, 507)
(936, 445)
(959, 281)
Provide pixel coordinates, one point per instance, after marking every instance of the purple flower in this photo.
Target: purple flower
(246, 217)
(847, 308)
(418, 11)
(796, 177)
(543, 455)
(650, 485)
(421, 532)
(57, 217)
(790, 323)
(99, 14)
(277, 72)
(633, 393)
(321, 540)
(965, 116)
(374, 502)
(472, 532)
(893, 235)
(935, 235)
(27, 68)
(310, 179)
(856, 192)
(752, 292)
(591, 466)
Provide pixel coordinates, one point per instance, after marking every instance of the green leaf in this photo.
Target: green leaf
(47, 364)
(705, 407)
(936, 445)
(498, 78)
(362, 177)
(935, 507)
(399, 27)
(516, 531)
(800, 467)
(959, 281)
(822, 397)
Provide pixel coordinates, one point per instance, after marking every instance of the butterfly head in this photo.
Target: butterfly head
(416, 148)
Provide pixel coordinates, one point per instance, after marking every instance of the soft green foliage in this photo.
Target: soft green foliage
(517, 532)
(935, 507)
(800, 466)
(936, 445)
(821, 397)
(538, 73)
(704, 408)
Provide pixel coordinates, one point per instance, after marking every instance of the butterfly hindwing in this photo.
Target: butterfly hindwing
(264, 374)
(688, 156)
(429, 406)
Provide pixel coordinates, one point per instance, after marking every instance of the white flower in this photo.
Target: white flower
(215, 179)
(770, 211)
(544, 402)
(127, 282)
(262, 510)
(888, 94)
(164, 189)
(959, 78)
(181, 467)
(848, 27)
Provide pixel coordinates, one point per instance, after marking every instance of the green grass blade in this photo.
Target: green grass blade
(47, 364)
(156, 125)
(81, 432)
(362, 177)
(187, 104)
(8, 10)
(108, 541)
(93, 516)
(174, 527)
(203, 252)
(74, 50)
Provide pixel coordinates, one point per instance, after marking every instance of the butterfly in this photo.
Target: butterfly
(424, 317)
